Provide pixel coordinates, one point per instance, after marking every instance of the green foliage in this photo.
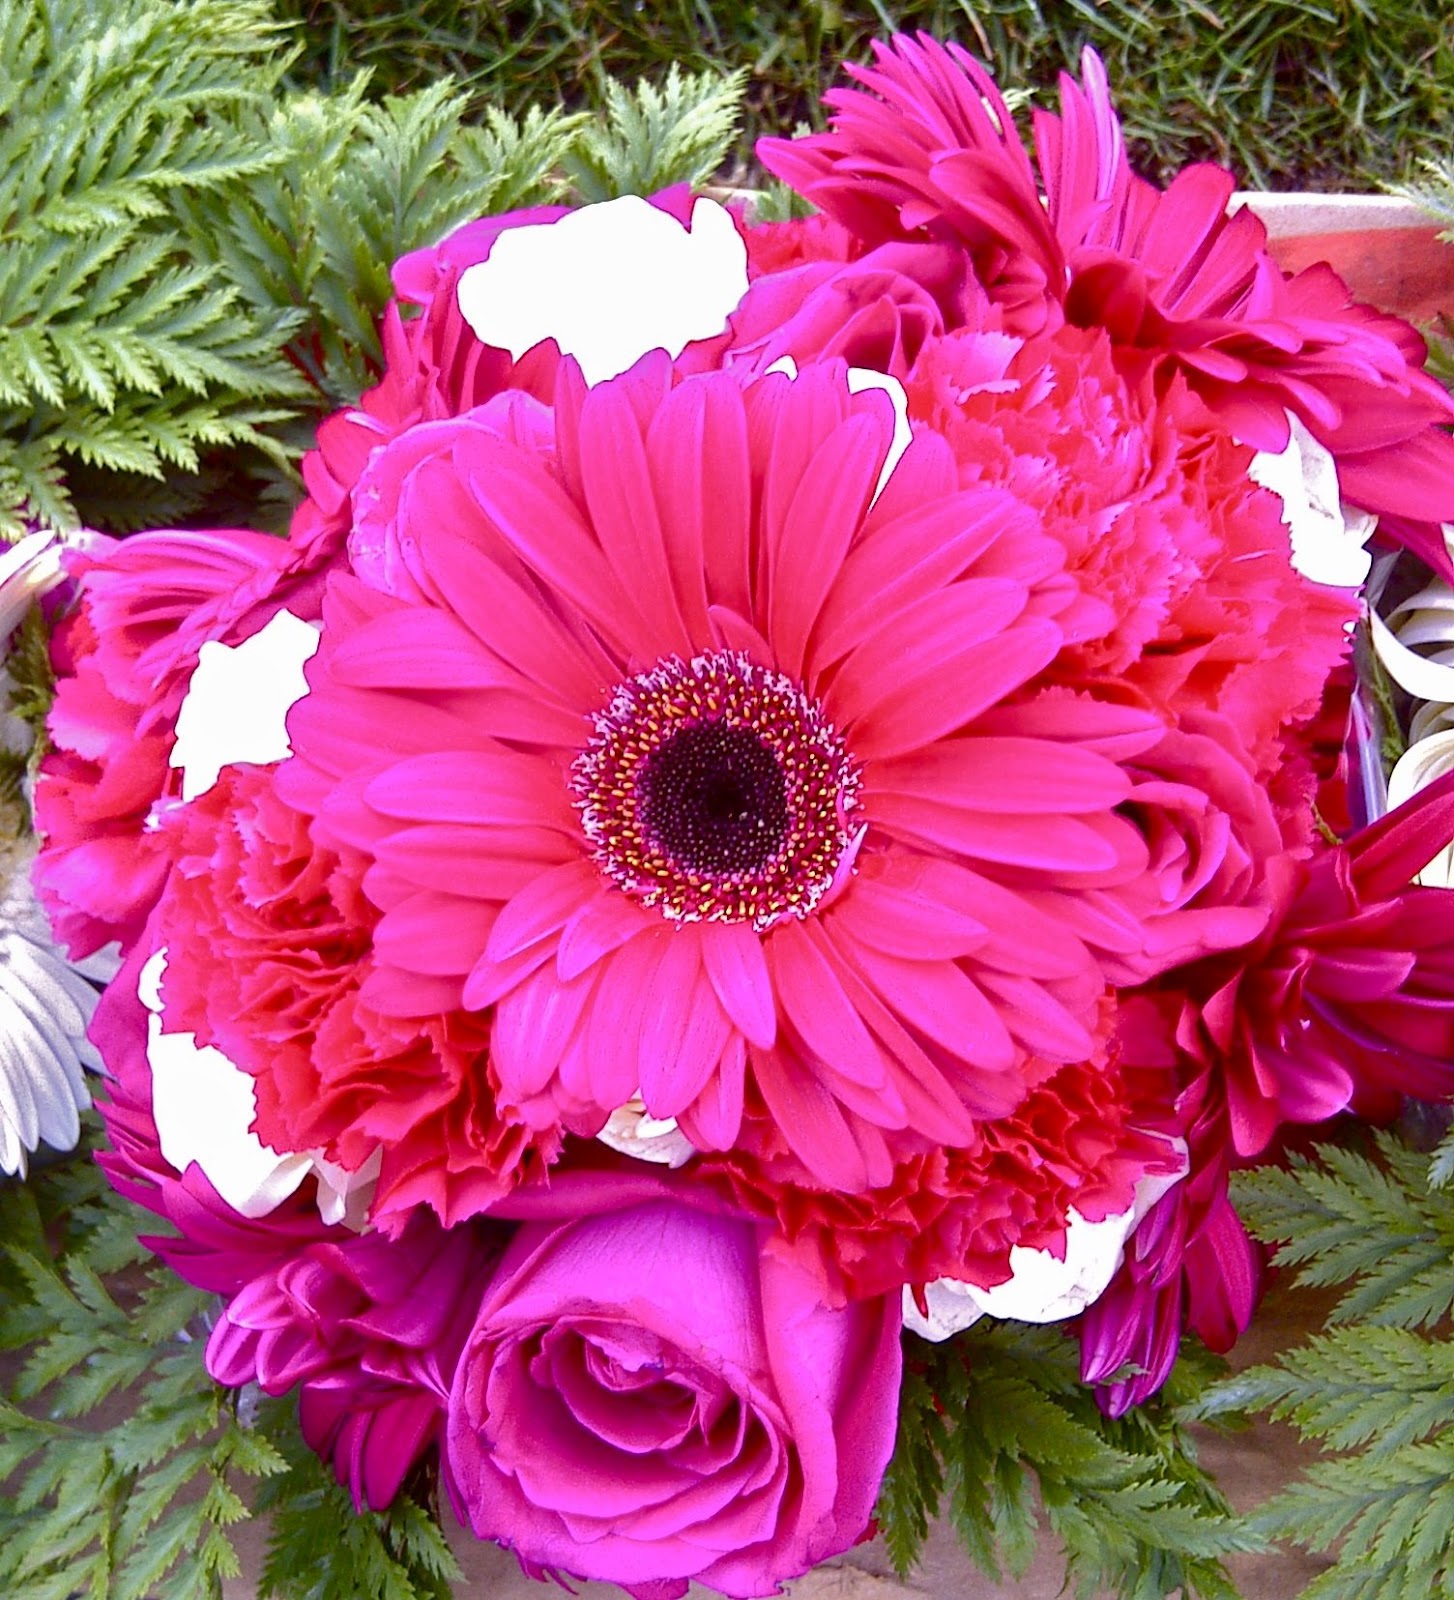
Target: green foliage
(27, 687)
(1292, 93)
(119, 347)
(356, 185)
(121, 1461)
(653, 138)
(1367, 1222)
(397, 1555)
(1377, 1386)
(114, 1508)
(997, 1422)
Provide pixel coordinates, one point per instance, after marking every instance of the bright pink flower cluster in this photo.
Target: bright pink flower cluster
(863, 761)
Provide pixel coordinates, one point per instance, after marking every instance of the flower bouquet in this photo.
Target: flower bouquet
(791, 781)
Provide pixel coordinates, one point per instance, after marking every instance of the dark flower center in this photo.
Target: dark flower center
(714, 798)
(715, 789)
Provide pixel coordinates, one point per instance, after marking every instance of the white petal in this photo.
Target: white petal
(608, 283)
(657, 1139)
(1328, 538)
(343, 1196)
(203, 1105)
(1423, 677)
(952, 1309)
(1419, 765)
(237, 702)
(32, 567)
(1041, 1287)
(45, 1006)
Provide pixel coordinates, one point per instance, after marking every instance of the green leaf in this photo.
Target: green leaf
(654, 138)
(1377, 1386)
(997, 1423)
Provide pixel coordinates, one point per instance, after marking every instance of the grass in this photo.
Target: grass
(1316, 94)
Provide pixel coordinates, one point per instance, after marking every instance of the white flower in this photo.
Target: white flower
(608, 283)
(45, 1007)
(1328, 538)
(237, 703)
(1041, 1286)
(204, 1105)
(631, 1131)
(27, 570)
(1415, 644)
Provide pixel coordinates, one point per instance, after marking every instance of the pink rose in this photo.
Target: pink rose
(877, 312)
(648, 1397)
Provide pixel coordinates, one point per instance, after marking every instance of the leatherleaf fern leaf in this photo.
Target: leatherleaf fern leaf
(120, 349)
(309, 241)
(996, 1429)
(122, 1465)
(194, 259)
(1375, 1389)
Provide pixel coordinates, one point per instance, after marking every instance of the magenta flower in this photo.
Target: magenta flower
(1346, 1000)
(649, 1396)
(697, 763)
(371, 1328)
(1190, 1262)
(930, 153)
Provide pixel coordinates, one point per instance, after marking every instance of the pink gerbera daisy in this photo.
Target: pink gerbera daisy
(670, 740)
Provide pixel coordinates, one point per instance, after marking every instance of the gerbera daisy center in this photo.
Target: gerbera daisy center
(714, 796)
(716, 789)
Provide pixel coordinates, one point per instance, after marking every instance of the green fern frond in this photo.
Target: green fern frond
(1344, 1218)
(109, 322)
(1377, 1386)
(653, 138)
(997, 1423)
(509, 164)
(130, 1508)
(400, 1554)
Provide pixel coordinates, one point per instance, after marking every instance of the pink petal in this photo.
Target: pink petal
(1048, 844)
(714, 1118)
(532, 1027)
(434, 934)
(486, 864)
(602, 925)
(910, 559)
(489, 980)
(542, 907)
(970, 678)
(944, 1005)
(1038, 1019)
(807, 551)
(471, 787)
(703, 481)
(542, 525)
(684, 1032)
(619, 1015)
(415, 649)
(913, 644)
(733, 959)
(616, 481)
(907, 919)
(813, 1001)
(507, 617)
(811, 1121)
(1007, 774)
